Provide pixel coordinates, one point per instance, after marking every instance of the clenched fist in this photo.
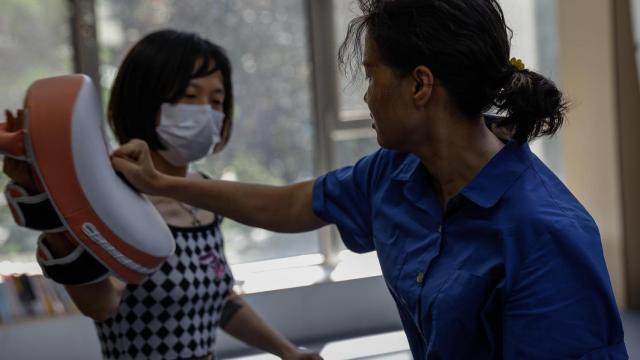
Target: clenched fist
(133, 160)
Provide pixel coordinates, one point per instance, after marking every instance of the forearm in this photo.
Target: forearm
(275, 208)
(98, 301)
(247, 326)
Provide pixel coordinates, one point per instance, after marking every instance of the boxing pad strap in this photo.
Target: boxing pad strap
(77, 268)
(32, 211)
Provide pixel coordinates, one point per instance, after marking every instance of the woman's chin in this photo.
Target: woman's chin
(380, 140)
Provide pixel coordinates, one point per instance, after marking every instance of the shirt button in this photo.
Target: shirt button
(420, 277)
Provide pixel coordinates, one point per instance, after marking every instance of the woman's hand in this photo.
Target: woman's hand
(17, 170)
(133, 160)
(20, 172)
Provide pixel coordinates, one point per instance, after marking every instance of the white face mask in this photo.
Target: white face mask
(190, 132)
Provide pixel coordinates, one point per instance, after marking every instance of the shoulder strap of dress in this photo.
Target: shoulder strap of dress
(204, 175)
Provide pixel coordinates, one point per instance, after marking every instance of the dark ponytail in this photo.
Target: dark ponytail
(466, 44)
(533, 106)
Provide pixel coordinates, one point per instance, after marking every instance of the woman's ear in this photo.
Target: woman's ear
(501, 132)
(423, 80)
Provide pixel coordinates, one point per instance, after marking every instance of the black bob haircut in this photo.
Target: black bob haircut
(466, 44)
(157, 70)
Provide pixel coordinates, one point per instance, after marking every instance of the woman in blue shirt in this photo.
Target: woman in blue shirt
(485, 252)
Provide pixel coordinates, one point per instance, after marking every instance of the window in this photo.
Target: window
(297, 115)
(272, 135)
(44, 25)
(351, 92)
(352, 136)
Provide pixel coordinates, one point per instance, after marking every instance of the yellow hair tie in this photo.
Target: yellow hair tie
(517, 64)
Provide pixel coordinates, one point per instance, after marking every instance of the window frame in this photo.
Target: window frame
(330, 124)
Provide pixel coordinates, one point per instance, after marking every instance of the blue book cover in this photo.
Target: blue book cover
(6, 314)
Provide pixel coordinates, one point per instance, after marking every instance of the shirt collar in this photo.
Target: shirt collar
(496, 177)
(407, 169)
(491, 182)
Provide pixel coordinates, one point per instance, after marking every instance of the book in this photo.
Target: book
(6, 314)
(23, 296)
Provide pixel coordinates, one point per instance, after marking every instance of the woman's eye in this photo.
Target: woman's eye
(190, 96)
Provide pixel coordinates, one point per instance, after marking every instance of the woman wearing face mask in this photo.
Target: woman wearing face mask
(173, 90)
(485, 252)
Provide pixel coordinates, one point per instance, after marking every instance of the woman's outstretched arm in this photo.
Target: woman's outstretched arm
(98, 301)
(276, 208)
(242, 322)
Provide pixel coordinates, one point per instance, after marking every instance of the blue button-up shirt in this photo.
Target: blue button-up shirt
(512, 269)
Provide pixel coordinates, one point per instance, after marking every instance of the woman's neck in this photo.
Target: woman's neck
(455, 152)
(165, 167)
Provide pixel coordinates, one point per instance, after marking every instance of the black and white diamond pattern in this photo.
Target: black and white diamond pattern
(175, 312)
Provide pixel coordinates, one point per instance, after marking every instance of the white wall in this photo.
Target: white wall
(332, 310)
(521, 18)
(635, 18)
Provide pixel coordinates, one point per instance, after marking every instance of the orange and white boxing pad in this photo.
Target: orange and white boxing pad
(64, 140)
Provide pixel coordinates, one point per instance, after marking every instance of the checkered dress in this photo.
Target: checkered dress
(173, 314)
